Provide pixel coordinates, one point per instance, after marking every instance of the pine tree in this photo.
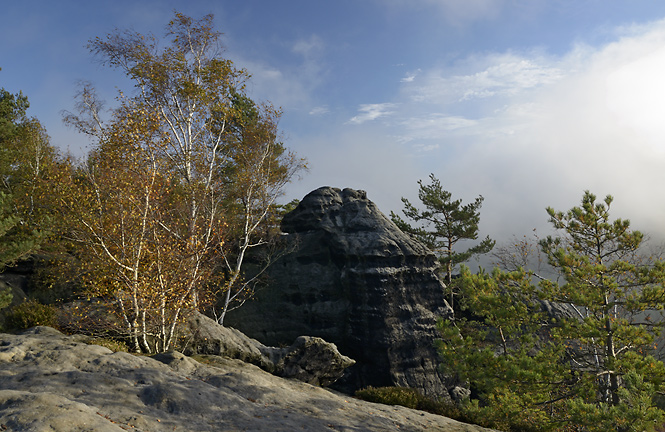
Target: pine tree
(590, 369)
(501, 347)
(444, 223)
(20, 171)
(12, 246)
(616, 295)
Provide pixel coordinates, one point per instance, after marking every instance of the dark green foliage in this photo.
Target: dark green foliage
(12, 113)
(29, 314)
(403, 396)
(516, 374)
(5, 297)
(27, 166)
(443, 224)
(18, 173)
(283, 209)
(14, 243)
(409, 398)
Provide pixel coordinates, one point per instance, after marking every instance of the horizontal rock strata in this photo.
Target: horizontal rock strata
(354, 279)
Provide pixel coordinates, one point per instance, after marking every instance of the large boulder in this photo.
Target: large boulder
(312, 360)
(354, 279)
(308, 359)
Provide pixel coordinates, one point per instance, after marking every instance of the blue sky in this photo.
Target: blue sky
(526, 102)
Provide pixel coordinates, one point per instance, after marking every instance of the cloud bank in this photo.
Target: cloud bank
(529, 131)
(526, 130)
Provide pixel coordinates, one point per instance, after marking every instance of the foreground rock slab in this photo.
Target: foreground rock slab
(49, 381)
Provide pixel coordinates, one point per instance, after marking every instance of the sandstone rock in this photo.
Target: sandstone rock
(49, 381)
(308, 359)
(557, 310)
(354, 279)
(202, 335)
(24, 410)
(312, 360)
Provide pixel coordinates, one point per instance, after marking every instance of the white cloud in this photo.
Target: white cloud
(427, 147)
(276, 85)
(410, 76)
(501, 75)
(526, 130)
(529, 131)
(319, 110)
(434, 126)
(636, 96)
(358, 158)
(369, 112)
(461, 12)
(288, 85)
(308, 47)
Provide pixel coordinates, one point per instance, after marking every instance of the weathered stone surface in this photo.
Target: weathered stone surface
(49, 381)
(202, 335)
(354, 279)
(312, 360)
(308, 359)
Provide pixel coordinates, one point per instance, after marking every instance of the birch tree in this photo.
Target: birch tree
(123, 213)
(186, 87)
(217, 151)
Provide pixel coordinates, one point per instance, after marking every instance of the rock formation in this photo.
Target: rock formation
(308, 359)
(49, 381)
(354, 279)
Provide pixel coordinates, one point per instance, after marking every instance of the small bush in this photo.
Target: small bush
(5, 297)
(403, 396)
(409, 398)
(29, 314)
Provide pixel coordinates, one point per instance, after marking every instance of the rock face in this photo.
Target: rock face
(49, 381)
(354, 279)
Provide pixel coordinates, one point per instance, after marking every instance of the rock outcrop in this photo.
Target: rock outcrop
(49, 381)
(308, 359)
(354, 279)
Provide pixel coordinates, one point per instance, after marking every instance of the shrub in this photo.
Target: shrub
(5, 297)
(403, 396)
(29, 314)
(409, 398)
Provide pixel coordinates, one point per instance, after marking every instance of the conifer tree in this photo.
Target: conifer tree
(588, 367)
(442, 225)
(616, 296)
(25, 155)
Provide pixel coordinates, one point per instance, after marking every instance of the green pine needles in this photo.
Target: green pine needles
(442, 225)
(571, 356)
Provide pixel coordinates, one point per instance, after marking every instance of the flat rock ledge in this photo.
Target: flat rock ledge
(49, 381)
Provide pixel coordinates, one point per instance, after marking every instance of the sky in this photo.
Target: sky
(526, 102)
